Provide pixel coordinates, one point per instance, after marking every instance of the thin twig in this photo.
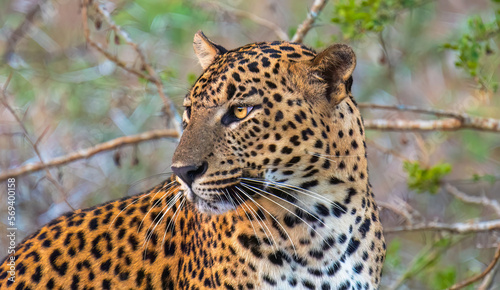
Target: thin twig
(457, 228)
(489, 279)
(86, 33)
(21, 30)
(304, 28)
(34, 145)
(397, 210)
(151, 73)
(483, 200)
(89, 152)
(280, 33)
(388, 151)
(479, 276)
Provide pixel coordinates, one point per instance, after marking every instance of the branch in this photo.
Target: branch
(89, 152)
(489, 279)
(304, 28)
(457, 228)
(483, 200)
(86, 33)
(481, 124)
(454, 121)
(476, 278)
(151, 74)
(21, 30)
(434, 112)
(282, 35)
(397, 210)
(34, 145)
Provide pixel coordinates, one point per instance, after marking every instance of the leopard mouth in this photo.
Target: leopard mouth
(227, 197)
(236, 191)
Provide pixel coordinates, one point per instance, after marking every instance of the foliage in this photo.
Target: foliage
(426, 265)
(486, 177)
(393, 255)
(475, 45)
(425, 179)
(358, 17)
(443, 277)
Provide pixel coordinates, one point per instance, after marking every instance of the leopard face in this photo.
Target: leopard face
(261, 114)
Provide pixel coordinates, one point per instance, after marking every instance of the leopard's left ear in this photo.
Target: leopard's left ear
(206, 50)
(334, 66)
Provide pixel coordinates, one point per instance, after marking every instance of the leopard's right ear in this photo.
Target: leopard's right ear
(206, 50)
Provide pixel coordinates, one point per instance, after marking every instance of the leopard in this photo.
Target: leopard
(269, 189)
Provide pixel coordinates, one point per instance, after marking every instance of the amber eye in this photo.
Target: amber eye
(241, 112)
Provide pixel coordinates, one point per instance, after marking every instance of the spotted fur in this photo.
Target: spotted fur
(279, 199)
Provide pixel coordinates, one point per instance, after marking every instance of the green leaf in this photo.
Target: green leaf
(487, 177)
(473, 48)
(393, 257)
(358, 17)
(444, 277)
(425, 179)
(191, 78)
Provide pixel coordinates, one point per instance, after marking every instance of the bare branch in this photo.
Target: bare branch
(86, 33)
(280, 33)
(434, 112)
(89, 152)
(304, 28)
(151, 73)
(457, 228)
(483, 200)
(397, 210)
(21, 30)
(478, 277)
(34, 145)
(454, 121)
(489, 279)
(387, 150)
(474, 123)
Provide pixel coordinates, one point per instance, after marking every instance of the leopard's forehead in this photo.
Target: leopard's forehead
(245, 71)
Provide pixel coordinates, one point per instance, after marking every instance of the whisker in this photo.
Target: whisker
(277, 203)
(275, 219)
(306, 192)
(291, 203)
(154, 205)
(280, 185)
(248, 217)
(228, 197)
(160, 190)
(135, 201)
(336, 156)
(254, 213)
(174, 216)
(177, 197)
(156, 222)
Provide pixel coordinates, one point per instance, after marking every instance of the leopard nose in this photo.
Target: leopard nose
(189, 173)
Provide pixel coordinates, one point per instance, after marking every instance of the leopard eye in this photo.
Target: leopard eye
(241, 112)
(237, 113)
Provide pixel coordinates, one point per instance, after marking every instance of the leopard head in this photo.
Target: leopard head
(269, 112)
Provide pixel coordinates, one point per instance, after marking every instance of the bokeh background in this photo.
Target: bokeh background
(432, 54)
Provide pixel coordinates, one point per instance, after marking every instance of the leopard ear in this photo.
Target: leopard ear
(334, 67)
(206, 50)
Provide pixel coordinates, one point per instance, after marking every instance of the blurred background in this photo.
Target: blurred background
(431, 54)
